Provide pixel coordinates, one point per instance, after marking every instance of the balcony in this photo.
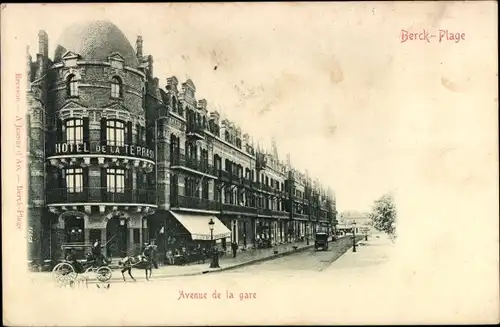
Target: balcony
(266, 188)
(265, 212)
(234, 208)
(283, 214)
(97, 195)
(227, 177)
(195, 131)
(301, 216)
(246, 182)
(187, 202)
(192, 165)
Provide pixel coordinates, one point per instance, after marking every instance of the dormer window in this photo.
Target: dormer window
(116, 87)
(72, 86)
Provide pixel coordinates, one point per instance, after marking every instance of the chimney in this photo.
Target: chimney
(39, 66)
(28, 66)
(172, 83)
(245, 141)
(223, 128)
(43, 53)
(43, 44)
(150, 65)
(138, 47)
(202, 104)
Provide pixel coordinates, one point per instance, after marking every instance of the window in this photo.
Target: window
(74, 180)
(115, 180)
(72, 86)
(115, 132)
(74, 131)
(116, 88)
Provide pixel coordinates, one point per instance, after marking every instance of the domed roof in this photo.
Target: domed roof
(96, 40)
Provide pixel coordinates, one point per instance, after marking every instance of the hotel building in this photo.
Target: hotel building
(112, 156)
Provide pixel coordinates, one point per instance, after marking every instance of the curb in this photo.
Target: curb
(204, 272)
(340, 256)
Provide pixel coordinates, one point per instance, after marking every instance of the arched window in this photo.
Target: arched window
(72, 86)
(116, 88)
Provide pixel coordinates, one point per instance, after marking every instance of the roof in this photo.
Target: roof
(96, 40)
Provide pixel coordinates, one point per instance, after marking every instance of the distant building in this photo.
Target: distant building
(347, 218)
(114, 157)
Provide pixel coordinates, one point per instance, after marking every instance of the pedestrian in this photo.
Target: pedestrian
(234, 247)
(170, 257)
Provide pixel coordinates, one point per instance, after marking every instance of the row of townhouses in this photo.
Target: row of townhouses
(114, 157)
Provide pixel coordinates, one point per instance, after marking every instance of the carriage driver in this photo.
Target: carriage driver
(96, 251)
(146, 253)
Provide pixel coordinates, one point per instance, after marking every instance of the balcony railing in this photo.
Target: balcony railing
(237, 208)
(194, 129)
(275, 213)
(192, 163)
(265, 212)
(226, 176)
(300, 215)
(246, 182)
(101, 195)
(266, 188)
(193, 203)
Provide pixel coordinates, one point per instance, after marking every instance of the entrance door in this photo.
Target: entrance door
(116, 236)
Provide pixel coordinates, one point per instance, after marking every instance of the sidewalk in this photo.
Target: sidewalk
(374, 252)
(226, 262)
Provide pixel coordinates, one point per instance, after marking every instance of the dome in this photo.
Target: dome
(96, 41)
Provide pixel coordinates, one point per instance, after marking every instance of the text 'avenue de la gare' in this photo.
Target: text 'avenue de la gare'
(216, 295)
(95, 148)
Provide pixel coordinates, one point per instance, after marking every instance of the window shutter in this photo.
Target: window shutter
(85, 178)
(103, 178)
(138, 136)
(130, 177)
(86, 131)
(103, 131)
(129, 133)
(59, 130)
(62, 179)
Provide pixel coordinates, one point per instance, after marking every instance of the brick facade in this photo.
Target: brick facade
(201, 163)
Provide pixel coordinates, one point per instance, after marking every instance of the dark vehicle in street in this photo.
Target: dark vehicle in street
(321, 241)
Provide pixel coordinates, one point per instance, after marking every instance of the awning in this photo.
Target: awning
(197, 226)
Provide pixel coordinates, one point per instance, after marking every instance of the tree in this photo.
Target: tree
(383, 215)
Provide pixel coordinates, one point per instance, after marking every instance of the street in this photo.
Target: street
(297, 285)
(362, 287)
(307, 261)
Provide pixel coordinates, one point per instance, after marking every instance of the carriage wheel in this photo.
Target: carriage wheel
(64, 273)
(103, 274)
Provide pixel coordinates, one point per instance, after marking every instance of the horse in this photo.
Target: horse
(139, 262)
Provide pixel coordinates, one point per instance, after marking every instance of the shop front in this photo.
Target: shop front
(190, 236)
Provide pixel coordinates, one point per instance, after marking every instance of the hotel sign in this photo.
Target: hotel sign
(131, 150)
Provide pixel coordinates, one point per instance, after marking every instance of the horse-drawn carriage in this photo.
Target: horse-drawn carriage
(67, 271)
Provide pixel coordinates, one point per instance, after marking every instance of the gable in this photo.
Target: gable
(72, 104)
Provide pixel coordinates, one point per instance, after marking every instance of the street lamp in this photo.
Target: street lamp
(215, 255)
(354, 236)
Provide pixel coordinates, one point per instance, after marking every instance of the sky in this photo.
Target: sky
(332, 84)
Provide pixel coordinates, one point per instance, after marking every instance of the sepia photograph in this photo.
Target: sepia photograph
(250, 163)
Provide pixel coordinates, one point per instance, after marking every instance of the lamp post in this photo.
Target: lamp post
(215, 255)
(353, 236)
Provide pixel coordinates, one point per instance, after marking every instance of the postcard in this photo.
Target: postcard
(250, 163)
